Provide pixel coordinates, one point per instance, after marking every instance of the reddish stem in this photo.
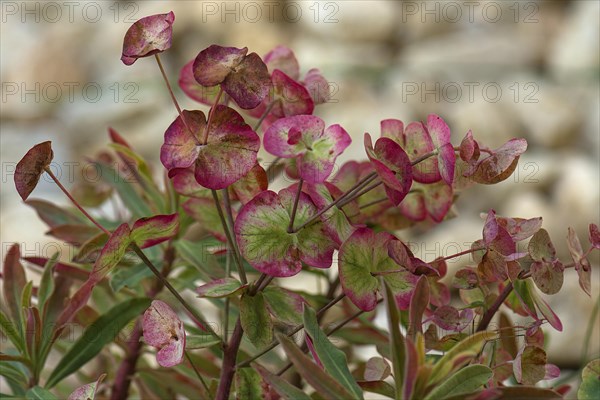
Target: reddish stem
(489, 314)
(230, 351)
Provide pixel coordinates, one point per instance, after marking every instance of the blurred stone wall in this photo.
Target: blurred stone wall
(501, 68)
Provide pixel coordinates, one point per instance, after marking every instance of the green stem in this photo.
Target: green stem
(164, 75)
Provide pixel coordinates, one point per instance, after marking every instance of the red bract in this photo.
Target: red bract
(164, 330)
(195, 91)
(242, 76)
(499, 165)
(31, 167)
(283, 59)
(228, 155)
(148, 36)
(303, 137)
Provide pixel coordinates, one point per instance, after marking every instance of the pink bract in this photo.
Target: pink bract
(148, 36)
(164, 330)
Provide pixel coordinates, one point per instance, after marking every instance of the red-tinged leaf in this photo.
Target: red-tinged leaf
(324, 384)
(289, 97)
(378, 387)
(500, 164)
(439, 294)
(213, 64)
(230, 152)
(51, 214)
(286, 390)
(417, 142)
(184, 183)
(490, 228)
(508, 337)
(465, 278)
(465, 381)
(493, 266)
(179, 149)
(413, 206)
(365, 255)
(31, 167)
(438, 198)
(411, 367)
(150, 231)
(285, 305)
(392, 165)
(397, 341)
(317, 86)
(204, 211)
(540, 247)
(523, 290)
(249, 385)
(305, 138)
(529, 366)
(218, 288)
(164, 330)
(519, 228)
(73, 234)
(88, 391)
(76, 303)
(446, 162)
(195, 91)
(526, 392)
(377, 369)
(546, 311)
(148, 36)
(595, 236)
(251, 184)
(418, 305)
(548, 276)
(89, 251)
(401, 254)
(283, 59)
(449, 318)
(438, 129)
(255, 320)
(261, 229)
(469, 149)
(13, 281)
(112, 252)
(582, 264)
(552, 371)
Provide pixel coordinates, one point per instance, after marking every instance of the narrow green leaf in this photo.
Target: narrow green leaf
(218, 288)
(130, 197)
(200, 341)
(380, 387)
(11, 331)
(46, 287)
(198, 254)
(323, 383)
(333, 359)
(465, 381)
(283, 388)
(397, 346)
(96, 336)
(39, 393)
(13, 281)
(248, 384)
(129, 277)
(256, 320)
(528, 392)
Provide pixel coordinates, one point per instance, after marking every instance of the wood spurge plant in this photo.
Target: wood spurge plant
(120, 319)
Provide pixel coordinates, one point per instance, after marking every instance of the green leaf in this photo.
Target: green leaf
(46, 287)
(14, 374)
(380, 387)
(129, 277)
(218, 288)
(256, 320)
(590, 381)
(149, 231)
(53, 215)
(283, 388)
(39, 393)
(397, 345)
(13, 282)
(130, 197)
(285, 305)
(248, 384)
(202, 341)
(465, 381)
(334, 360)
(96, 336)
(11, 331)
(323, 383)
(529, 366)
(198, 254)
(527, 392)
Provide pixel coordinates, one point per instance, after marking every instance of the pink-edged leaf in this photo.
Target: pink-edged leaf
(13, 281)
(150, 231)
(545, 310)
(249, 84)
(218, 288)
(595, 236)
(582, 264)
(317, 86)
(529, 366)
(148, 36)
(401, 254)
(446, 162)
(213, 64)
(289, 96)
(204, 211)
(194, 90)
(304, 137)
(251, 184)
(411, 368)
(490, 228)
(112, 252)
(377, 369)
(500, 164)
(449, 318)
(364, 256)
(261, 230)
(255, 319)
(179, 149)
(520, 228)
(164, 330)
(88, 391)
(438, 198)
(60, 268)
(413, 206)
(283, 59)
(438, 130)
(313, 352)
(31, 167)
(230, 152)
(391, 164)
(393, 129)
(73, 234)
(184, 183)
(469, 149)
(51, 214)
(417, 142)
(75, 303)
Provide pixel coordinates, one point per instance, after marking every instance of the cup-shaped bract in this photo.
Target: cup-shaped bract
(164, 330)
(148, 36)
(31, 167)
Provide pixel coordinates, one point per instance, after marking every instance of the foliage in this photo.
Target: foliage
(218, 229)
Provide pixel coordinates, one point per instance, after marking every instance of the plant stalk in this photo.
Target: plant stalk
(489, 314)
